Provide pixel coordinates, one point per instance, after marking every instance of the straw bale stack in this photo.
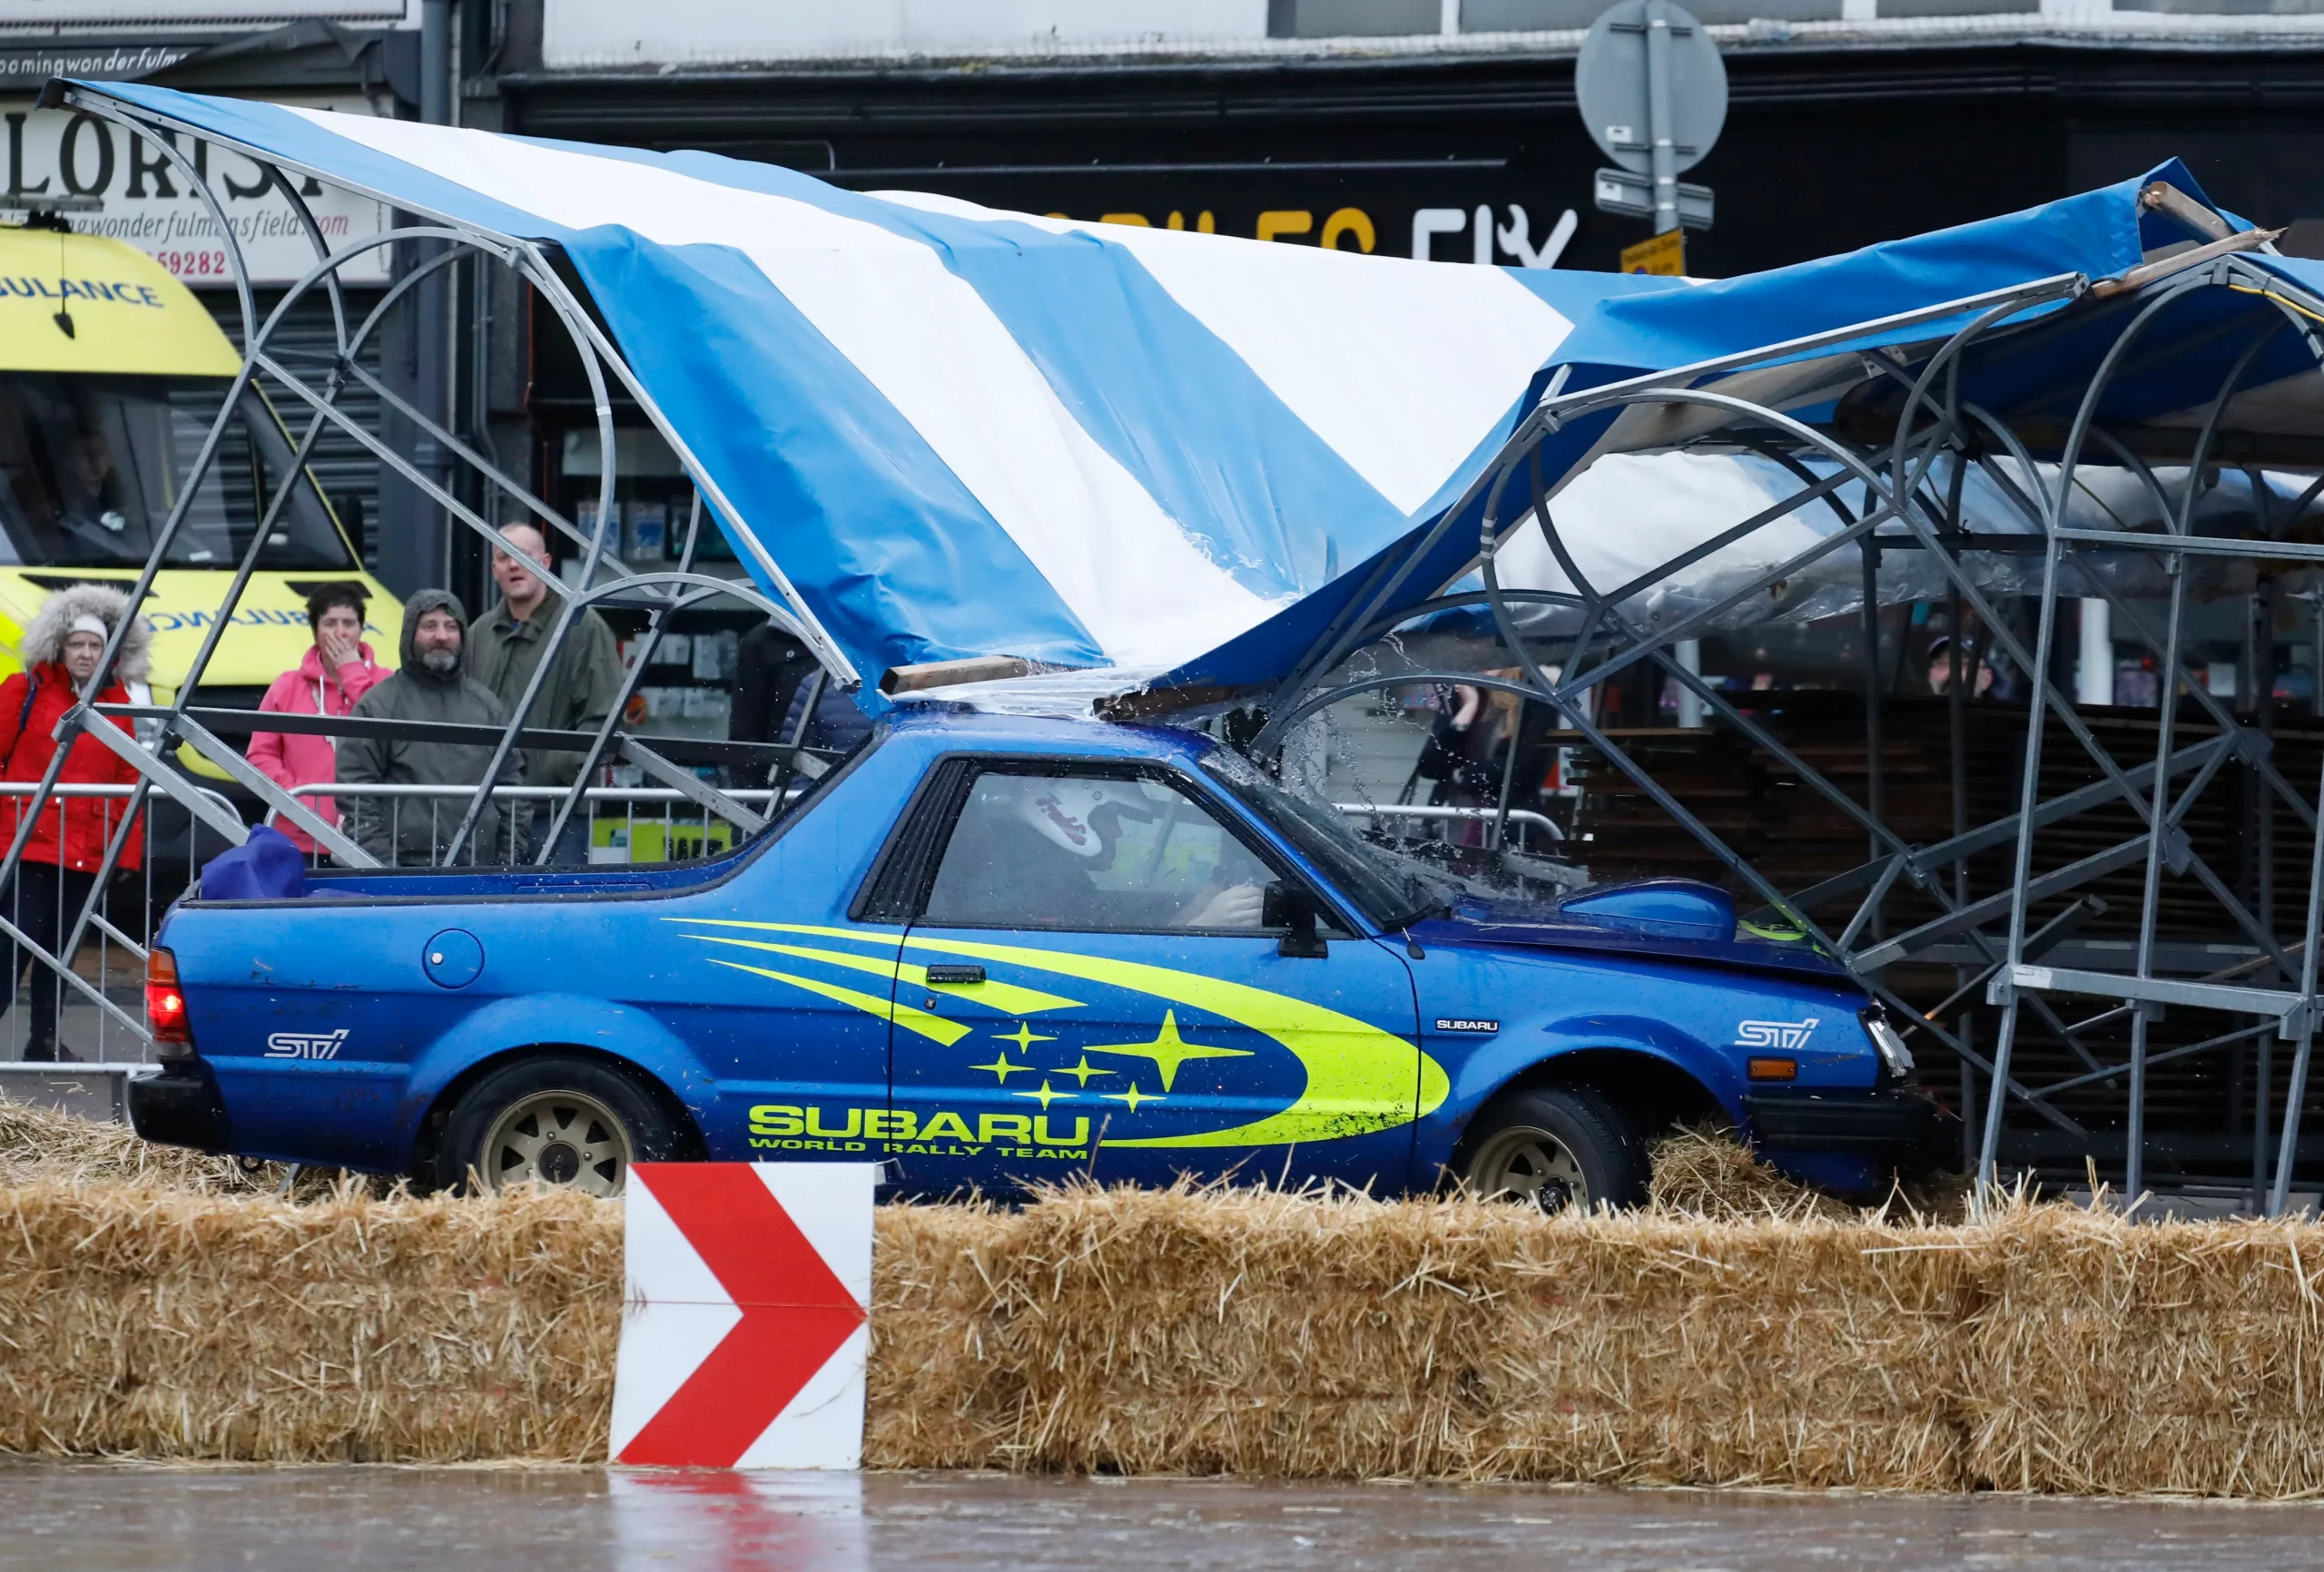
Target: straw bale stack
(2184, 1357)
(39, 1144)
(1259, 1333)
(2046, 1350)
(171, 1324)
(1775, 1341)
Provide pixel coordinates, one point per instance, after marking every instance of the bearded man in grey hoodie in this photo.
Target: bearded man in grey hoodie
(432, 685)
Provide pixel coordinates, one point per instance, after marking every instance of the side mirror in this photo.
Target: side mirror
(1292, 907)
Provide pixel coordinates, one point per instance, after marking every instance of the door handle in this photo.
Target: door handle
(939, 976)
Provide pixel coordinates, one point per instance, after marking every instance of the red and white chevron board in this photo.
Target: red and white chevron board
(745, 1333)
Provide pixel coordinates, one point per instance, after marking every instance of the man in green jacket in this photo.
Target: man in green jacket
(583, 682)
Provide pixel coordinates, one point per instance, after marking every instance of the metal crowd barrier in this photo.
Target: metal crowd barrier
(313, 392)
(1522, 821)
(87, 948)
(617, 824)
(648, 826)
(87, 942)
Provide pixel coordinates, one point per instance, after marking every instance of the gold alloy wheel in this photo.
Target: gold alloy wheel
(562, 1138)
(1529, 1165)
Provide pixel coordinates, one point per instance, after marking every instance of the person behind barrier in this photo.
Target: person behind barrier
(583, 679)
(1976, 676)
(431, 686)
(60, 649)
(1467, 754)
(337, 670)
(770, 667)
(837, 726)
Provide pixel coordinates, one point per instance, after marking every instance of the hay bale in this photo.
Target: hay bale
(1254, 1332)
(1708, 1174)
(2180, 1357)
(159, 1324)
(1737, 1334)
(45, 1146)
(2044, 1349)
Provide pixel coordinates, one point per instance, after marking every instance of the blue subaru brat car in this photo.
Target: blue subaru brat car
(991, 951)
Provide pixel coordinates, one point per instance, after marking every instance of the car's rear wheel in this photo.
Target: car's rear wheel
(555, 1120)
(1557, 1148)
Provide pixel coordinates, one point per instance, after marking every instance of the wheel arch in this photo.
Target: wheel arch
(427, 1135)
(1655, 1092)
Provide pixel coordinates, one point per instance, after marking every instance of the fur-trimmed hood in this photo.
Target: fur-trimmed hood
(43, 640)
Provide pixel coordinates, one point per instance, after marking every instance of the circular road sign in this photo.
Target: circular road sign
(1609, 81)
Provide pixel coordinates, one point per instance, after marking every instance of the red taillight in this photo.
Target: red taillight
(164, 1004)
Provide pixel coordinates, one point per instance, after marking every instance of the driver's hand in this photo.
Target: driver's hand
(1236, 907)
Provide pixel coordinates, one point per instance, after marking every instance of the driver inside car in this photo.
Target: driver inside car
(1029, 847)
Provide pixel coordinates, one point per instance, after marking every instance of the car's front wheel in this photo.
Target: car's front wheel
(553, 1119)
(1556, 1148)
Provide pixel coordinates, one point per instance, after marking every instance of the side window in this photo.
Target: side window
(1093, 852)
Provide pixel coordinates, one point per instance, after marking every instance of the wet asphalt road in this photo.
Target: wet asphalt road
(78, 1518)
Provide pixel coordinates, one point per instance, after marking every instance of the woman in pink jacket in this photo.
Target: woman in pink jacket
(338, 670)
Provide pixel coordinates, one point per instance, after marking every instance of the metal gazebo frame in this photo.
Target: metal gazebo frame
(1698, 408)
(159, 729)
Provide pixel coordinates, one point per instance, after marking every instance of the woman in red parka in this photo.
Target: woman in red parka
(60, 649)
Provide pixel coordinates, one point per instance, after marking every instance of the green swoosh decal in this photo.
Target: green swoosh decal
(1007, 998)
(911, 1020)
(1359, 1077)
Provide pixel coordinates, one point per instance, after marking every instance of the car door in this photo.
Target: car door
(1099, 992)
(781, 996)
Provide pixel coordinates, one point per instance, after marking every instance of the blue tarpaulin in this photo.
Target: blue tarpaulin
(1639, 511)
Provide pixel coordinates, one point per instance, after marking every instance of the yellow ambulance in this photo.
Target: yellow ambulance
(110, 376)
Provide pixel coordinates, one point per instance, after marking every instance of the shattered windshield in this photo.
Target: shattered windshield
(1392, 890)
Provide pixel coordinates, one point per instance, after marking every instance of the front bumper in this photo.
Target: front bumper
(179, 1107)
(1890, 1123)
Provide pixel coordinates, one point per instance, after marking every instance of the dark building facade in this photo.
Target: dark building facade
(1828, 144)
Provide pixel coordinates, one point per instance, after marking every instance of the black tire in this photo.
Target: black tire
(1555, 1147)
(554, 1119)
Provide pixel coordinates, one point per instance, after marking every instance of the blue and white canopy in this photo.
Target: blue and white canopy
(1624, 503)
(958, 432)
(952, 432)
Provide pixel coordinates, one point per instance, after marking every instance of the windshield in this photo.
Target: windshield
(91, 466)
(1392, 890)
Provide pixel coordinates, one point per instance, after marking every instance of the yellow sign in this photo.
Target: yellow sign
(1665, 254)
(85, 303)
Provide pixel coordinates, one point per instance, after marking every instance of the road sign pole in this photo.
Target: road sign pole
(1663, 147)
(1653, 93)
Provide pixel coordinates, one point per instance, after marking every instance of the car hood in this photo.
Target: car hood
(1664, 919)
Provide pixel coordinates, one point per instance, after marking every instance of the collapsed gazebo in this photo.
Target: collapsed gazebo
(2039, 406)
